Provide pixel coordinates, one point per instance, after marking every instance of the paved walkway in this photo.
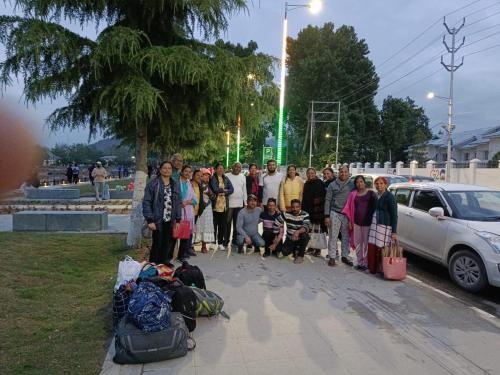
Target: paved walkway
(116, 224)
(311, 319)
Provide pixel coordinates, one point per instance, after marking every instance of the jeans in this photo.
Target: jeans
(339, 223)
(232, 216)
(257, 240)
(297, 248)
(220, 226)
(99, 187)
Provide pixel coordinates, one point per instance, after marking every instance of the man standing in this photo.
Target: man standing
(99, 175)
(236, 201)
(177, 162)
(247, 225)
(76, 173)
(336, 198)
(270, 182)
(298, 226)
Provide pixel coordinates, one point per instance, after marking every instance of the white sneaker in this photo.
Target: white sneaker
(221, 248)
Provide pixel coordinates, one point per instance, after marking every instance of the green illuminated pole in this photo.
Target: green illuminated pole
(227, 149)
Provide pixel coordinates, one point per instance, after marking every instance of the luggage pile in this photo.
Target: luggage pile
(155, 308)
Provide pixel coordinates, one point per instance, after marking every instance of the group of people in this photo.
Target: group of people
(225, 209)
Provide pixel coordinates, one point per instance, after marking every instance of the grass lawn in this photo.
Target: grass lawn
(55, 294)
(88, 189)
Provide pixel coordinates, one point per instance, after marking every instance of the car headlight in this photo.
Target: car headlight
(492, 239)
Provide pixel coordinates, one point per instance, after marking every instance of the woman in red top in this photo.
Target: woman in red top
(253, 183)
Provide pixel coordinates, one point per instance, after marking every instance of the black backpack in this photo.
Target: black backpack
(184, 300)
(190, 275)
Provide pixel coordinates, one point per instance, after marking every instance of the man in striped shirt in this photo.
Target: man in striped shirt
(298, 226)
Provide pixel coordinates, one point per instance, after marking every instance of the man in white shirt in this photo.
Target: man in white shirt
(237, 201)
(270, 182)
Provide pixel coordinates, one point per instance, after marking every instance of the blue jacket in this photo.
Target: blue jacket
(152, 209)
(214, 185)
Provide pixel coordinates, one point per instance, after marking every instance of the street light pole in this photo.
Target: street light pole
(228, 134)
(311, 134)
(315, 7)
(238, 139)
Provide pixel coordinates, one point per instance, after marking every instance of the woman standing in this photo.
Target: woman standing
(252, 181)
(188, 204)
(384, 224)
(291, 188)
(161, 206)
(359, 210)
(313, 202)
(205, 223)
(222, 188)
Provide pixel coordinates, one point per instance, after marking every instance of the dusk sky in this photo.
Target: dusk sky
(387, 26)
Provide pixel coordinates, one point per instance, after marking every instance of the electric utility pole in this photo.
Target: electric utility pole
(452, 68)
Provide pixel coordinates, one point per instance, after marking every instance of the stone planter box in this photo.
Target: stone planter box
(54, 221)
(43, 193)
(114, 194)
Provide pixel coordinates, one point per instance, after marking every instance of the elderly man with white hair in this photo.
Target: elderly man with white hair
(177, 162)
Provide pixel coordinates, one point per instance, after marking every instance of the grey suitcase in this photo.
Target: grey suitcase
(134, 346)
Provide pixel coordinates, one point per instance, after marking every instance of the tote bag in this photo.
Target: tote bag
(318, 238)
(393, 263)
(182, 230)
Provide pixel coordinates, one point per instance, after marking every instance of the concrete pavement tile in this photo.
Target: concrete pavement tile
(345, 343)
(232, 369)
(218, 352)
(253, 350)
(289, 325)
(131, 369)
(481, 355)
(212, 330)
(257, 327)
(310, 345)
(172, 371)
(176, 364)
(274, 367)
(372, 363)
(328, 365)
(464, 336)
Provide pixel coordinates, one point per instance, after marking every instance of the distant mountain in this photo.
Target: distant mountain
(109, 146)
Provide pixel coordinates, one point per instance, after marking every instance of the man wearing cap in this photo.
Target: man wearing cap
(99, 174)
(247, 225)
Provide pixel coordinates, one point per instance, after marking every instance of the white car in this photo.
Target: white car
(455, 225)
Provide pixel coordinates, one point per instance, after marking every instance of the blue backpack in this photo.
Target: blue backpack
(149, 308)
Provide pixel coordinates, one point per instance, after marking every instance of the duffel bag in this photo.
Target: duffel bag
(208, 303)
(134, 346)
(190, 275)
(149, 307)
(121, 300)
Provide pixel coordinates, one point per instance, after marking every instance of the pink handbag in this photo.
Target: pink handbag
(182, 230)
(393, 263)
(394, 268)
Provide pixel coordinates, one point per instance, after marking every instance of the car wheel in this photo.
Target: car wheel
(467, 270)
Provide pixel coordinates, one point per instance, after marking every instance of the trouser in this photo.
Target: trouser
(257, 241)
(184, 246)
(220, 226)
(297, 248)
(269, 236)
(99, 187)
(163, 244)
(361, 242)
(75, 178)
(91, 180)
(339, 223)
(232, 216)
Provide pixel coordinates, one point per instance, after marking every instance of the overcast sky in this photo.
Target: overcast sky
(387, 26)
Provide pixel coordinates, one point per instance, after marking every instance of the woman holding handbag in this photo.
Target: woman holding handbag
(359, 210)
(313, 202)
(189, 203)
(161, 207)
(384, 224)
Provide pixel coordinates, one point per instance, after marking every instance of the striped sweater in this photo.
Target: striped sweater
(293, 222)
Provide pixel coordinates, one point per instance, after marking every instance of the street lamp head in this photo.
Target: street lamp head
(315, 6)
(250, 76)
(431, 95)
(327, 135)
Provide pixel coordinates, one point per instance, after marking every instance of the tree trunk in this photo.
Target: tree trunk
(141, 175)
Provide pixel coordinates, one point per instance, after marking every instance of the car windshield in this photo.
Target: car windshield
(476, 205)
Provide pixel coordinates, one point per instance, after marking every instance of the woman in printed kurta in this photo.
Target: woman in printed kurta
(188, 203)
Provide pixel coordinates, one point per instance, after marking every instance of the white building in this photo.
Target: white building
(480, 144)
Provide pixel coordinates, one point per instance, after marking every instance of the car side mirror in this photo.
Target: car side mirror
(437, 212)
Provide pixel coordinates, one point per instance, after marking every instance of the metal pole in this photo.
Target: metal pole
(238, 140)
(279, 138)
(227, 149)
(338, 136)
(311, 134)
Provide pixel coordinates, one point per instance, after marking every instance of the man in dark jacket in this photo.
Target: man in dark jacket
(161, 208)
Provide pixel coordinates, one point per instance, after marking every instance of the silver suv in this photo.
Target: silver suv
(455, 225)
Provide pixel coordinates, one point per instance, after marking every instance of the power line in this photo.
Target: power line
(485, 29)
(483, 19)
(482, 50)
(417, 82)
(481, 39)
(408, 44)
